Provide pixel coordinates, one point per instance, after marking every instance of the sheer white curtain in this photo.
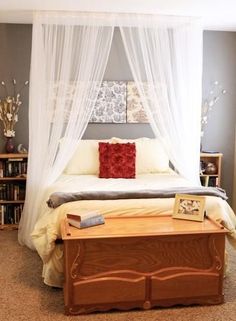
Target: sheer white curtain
(69, 57)
(234, 180)
(165, 56)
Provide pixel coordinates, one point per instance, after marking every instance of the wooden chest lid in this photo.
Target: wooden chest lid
(141, 226)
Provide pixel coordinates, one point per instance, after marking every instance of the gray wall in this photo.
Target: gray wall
(219, 63)
(15, 51)
(118, 69)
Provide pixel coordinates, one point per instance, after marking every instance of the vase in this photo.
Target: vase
(9, 146)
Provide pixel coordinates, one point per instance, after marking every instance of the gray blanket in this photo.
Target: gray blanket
(58, 198)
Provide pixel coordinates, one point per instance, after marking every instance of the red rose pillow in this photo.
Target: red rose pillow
(117, 160)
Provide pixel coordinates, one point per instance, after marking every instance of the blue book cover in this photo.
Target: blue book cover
(85, 219)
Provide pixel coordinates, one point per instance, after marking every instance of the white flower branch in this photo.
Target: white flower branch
(9, 108)
(208, 104)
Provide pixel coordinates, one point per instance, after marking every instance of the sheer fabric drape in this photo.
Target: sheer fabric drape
(166, 63)
(67, 66)
(69, 57)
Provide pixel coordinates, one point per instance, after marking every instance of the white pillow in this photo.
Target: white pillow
(85, 160)
(150, 155)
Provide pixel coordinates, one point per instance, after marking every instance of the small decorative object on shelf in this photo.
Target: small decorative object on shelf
(210, 168)
(21, 149)
(13, 173)
(9, 146)
(9, 108)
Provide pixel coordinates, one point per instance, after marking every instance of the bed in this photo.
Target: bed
(151, 173)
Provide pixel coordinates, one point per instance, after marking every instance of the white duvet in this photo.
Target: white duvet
(47, 228)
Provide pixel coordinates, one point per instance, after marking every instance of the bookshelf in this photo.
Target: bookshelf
(13, 170)
(208, 177)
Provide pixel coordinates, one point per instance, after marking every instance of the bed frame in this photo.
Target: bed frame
(142, 262)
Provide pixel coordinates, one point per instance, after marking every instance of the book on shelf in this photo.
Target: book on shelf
(210, 152)
(2, 214)
(15, 159)
(85, 219)
(10, 214)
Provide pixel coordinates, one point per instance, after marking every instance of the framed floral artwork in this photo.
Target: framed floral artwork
(110, 106)
(135, 109)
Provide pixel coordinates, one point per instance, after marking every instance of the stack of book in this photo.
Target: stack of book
(10, 213)
(13, 167)
(85, 219)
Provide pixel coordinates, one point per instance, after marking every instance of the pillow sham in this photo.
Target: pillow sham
(117, 160)
(150, 155)
(85, 160)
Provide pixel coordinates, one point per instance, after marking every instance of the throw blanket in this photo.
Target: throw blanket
(58, 198)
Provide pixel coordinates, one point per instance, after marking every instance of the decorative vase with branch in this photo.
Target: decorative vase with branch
(9, 108)
(208, 104)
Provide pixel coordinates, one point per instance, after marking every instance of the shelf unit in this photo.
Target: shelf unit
(211, 179)
(13, 170)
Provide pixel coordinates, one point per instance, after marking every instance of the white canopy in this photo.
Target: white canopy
(69, 56)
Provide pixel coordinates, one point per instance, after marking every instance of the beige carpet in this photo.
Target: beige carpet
(23, 296)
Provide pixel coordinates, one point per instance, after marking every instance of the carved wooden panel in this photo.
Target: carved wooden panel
(179, 285)
(143, 271)
(143, 255)
(125, 290)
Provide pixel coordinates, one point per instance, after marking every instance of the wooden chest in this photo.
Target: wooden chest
(143, 262)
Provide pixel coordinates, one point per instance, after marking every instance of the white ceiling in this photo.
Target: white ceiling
(216, 14)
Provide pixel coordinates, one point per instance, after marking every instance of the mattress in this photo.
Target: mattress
(47, 228)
